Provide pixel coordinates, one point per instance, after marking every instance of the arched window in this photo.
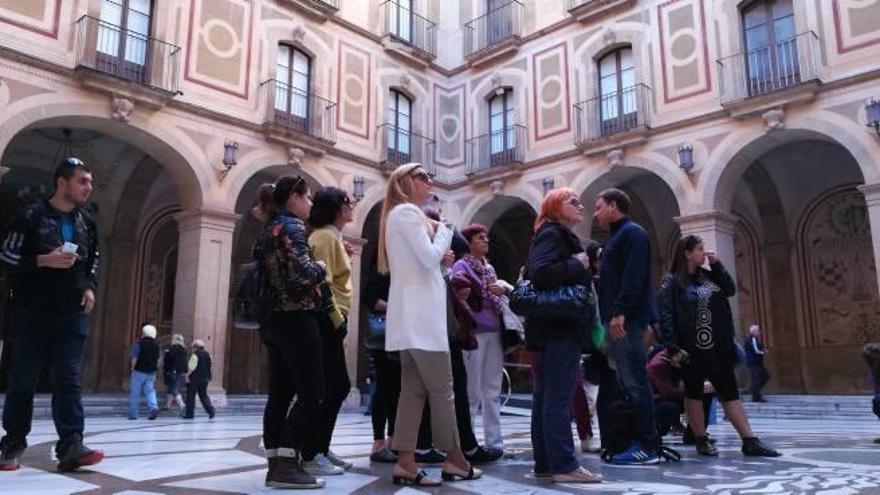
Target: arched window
(293, 69)
(502, 134)
(618, 101)
(399, 122)
(123, 38)
(771, 51)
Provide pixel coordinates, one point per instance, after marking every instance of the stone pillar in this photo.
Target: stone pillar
(872, 198)
(717, 230)
(201, 295)
(352, 340)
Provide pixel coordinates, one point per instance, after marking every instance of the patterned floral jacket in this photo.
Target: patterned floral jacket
(294, 278)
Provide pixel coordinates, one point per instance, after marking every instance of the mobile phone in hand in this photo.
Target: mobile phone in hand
(69, 247)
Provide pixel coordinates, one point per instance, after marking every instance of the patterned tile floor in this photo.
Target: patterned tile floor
(223, 456)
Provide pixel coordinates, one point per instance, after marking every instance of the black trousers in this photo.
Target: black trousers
(293, 344)
(35, 339)
(759, 378)
(336, 388)
(666, 415)
(608, 392)
(466, 436)
(200, 389)
(384, 403)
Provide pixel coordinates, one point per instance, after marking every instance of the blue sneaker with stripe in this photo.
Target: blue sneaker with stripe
(636, 455)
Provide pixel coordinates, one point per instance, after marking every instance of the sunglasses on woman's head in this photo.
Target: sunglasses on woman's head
(74, 162)
(422, 176)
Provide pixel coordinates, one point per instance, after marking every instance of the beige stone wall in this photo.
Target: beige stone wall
(228, 49)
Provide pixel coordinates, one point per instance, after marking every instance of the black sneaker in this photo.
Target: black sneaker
(154, 413)
(78, 456)
(483, 456)
(10, 457)
(384, 456)
(287, 473)
(752, 447)
(432, 456)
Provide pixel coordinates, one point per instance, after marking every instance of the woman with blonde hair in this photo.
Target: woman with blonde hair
(174, 371)
(414, 249)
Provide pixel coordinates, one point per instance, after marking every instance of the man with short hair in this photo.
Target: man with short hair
(197, 381)
(628, 308)
(755, 359)
(51, 253)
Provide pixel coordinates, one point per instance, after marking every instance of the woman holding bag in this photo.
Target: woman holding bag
(413, 248)
(556, 259)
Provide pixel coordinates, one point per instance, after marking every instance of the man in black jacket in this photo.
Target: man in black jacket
(197, 380)
(755, 358)
(51, 253)
(628, 308)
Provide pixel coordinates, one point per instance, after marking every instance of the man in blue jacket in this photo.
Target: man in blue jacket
(628, 308)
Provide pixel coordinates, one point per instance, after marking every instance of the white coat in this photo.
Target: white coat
(416, 317)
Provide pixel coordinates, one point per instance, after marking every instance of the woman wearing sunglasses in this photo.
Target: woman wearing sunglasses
(413, 249)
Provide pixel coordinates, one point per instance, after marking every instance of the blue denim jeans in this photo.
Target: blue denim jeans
(555, 379)
(632, 378)
(142, 384)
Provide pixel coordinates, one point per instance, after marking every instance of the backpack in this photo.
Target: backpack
(252, 304)
(621, 424)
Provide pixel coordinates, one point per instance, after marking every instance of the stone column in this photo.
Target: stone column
(872, 198)
(201, 294)
(717, 230)
(352, 340)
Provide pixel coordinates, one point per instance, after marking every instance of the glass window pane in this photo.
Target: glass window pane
(496, 105)
(496, 123)
(755, 15)
(628, 79)
(282, 97)
(782, 8)
(403, 122)
(608, 85)
(405, 106)
(783, 29)
(626, 59)
(756, 38)
(108, 29)
(608, 65)
(111, 12)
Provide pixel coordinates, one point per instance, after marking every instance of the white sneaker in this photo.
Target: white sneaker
(321, 466)
(338, 461)
(591, 445)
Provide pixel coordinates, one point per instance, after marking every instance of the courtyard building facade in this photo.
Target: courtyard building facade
(744, 122)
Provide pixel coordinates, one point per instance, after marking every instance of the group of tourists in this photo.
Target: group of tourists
(439, 322)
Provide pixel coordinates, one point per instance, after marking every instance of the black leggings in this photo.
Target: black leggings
(384, 403)
(337, 385)
(293, 342)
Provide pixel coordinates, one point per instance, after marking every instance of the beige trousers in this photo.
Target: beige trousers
(425, 375)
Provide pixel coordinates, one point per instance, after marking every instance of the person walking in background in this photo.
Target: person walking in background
(871, 353)
(628, 308)
(197, 380)
(174, 371)
(697, 328)
(556, 259)
(758, 374)
(144, 363)
(485, 364)
(412, 249)
(51, 255)
(332, 209)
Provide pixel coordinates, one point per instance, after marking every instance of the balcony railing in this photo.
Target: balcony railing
(328, 4)
(772, 68)
(126, 54)
(300, 111)
(400, 147)
(609, 114)
(492, 28)
(496, 149)
(409, 28)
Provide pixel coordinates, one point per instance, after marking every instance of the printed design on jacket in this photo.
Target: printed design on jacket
(705, 337)
(293, 276)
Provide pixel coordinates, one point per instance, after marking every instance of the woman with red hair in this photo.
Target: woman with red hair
(556, 259)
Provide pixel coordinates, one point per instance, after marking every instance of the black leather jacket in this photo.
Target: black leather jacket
(37, 231)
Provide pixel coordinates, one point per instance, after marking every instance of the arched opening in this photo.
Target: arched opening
(247, 371)
(804, 253)
(140, 183)
(511, 224)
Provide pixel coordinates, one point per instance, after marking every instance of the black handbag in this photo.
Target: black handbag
(567, 302)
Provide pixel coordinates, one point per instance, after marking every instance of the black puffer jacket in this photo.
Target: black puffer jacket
(697, 317)
(551, 264)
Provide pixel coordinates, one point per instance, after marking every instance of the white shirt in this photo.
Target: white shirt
(416, 317)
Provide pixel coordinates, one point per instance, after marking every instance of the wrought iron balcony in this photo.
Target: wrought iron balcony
(125, 54)
(590, 10)
(606, 115)
(496, 149)
(400, 147)
(497, 26)
(779, 66)
(406, 27)
(299, 111)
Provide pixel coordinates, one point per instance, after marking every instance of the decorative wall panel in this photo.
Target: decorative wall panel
(839, 272)
(856, 24)
(684, 49)
(354, 91)
(37, 16)
(218, 52)
(551, 94)
(449, 125)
